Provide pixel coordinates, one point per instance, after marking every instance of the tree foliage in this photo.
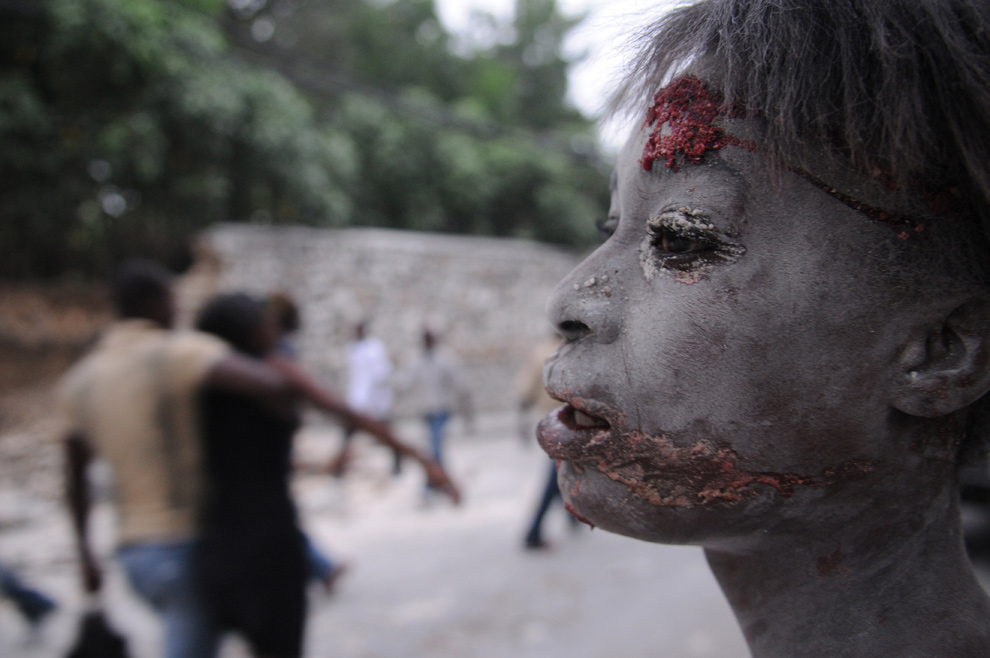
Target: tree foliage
(128, 125)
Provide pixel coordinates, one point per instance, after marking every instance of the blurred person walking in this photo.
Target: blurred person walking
(288, 322)
(435, 384)
(253, 560)
(326, 400)
(133, 400)
(369, 392)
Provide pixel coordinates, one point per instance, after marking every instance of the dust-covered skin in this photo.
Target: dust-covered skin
(663, 473)
(750, 384)
(739, 360)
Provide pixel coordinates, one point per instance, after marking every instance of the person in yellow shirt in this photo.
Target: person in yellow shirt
(133, 401)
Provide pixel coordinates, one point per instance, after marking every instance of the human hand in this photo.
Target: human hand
(438, 479)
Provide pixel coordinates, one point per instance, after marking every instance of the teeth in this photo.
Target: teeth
(584, 420)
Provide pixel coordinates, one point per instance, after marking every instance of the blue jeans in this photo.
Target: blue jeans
(31, 603)
(437, 423)
(320, 564)
(162, 574)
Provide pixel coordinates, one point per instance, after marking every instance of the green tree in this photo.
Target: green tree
(126, 126)
(526, 79)
(478, 142)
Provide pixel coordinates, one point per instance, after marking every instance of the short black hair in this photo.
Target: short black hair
(137, 286)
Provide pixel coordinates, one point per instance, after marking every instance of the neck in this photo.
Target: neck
(903, 591)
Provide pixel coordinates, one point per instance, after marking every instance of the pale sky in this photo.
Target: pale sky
(603, 34)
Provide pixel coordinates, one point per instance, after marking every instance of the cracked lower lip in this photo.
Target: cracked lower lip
(566, 431)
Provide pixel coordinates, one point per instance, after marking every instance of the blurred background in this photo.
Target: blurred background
(130, 125)
(415, 163)
(407, 163)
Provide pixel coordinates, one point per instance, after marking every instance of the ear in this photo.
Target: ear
(947, 367)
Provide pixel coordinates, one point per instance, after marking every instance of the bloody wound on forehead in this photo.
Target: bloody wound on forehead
(684, 115)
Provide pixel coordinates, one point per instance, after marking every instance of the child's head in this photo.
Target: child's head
(787, 324)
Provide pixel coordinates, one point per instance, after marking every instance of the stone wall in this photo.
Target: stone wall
(485, 297)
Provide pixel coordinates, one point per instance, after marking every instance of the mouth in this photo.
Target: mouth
(580, 421)
(570, 430)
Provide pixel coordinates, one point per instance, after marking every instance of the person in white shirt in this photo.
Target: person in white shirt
(368, 391)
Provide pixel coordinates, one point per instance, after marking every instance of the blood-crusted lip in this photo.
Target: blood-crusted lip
(583, 412)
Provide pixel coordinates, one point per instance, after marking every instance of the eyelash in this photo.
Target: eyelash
(681, 247)
(684, 240)
(679, 240)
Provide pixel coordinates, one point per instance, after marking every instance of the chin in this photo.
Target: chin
(603, 503)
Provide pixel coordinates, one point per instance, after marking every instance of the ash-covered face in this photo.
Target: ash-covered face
(729, 357)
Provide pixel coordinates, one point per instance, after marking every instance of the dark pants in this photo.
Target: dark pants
(551, 492)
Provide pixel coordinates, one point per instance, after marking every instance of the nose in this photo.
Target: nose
(585, 304)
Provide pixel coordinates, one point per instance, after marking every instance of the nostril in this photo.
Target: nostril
(572, 329)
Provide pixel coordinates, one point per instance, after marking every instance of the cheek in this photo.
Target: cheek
(680, 363)
(783, 389)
